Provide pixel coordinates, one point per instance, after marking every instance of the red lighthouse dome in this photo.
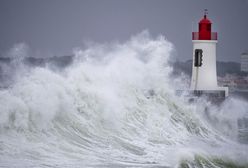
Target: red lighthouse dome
(205, 30)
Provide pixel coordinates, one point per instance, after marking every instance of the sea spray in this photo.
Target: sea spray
(113, 107)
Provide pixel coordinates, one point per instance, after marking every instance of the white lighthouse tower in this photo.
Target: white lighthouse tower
(204, 75)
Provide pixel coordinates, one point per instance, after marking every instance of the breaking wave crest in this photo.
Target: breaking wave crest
(114, 106)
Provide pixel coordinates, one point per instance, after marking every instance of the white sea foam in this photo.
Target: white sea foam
(114, 106)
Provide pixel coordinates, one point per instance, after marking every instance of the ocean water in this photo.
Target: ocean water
(114, 106)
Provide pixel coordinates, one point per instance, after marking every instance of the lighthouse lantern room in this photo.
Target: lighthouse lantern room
(204, 75)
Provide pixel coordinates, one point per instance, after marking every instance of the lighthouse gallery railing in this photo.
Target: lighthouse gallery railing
(195, 36)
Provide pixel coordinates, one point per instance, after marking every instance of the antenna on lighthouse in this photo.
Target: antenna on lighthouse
(205, 13)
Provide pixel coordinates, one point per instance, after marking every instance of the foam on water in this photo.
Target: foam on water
(113, 107)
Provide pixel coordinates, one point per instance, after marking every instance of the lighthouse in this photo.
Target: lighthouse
(204, 75)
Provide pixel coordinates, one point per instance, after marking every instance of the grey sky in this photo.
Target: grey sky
(57, 26)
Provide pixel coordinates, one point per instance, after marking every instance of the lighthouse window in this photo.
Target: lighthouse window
(198, 57)
(208, 27)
